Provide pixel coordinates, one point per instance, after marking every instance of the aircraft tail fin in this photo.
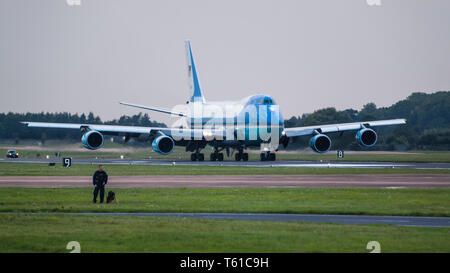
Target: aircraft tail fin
(194, 85)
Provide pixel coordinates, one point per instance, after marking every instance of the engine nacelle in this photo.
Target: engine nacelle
(92, 140)
(163, 145)
(320, 143)
(366, 137)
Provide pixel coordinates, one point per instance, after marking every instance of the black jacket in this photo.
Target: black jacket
(100, 178)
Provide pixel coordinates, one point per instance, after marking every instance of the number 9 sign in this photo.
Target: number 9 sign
(67, 162)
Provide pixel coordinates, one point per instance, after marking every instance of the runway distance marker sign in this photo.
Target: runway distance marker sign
(67, 162)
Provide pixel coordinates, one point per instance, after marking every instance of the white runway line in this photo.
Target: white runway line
(290, 164)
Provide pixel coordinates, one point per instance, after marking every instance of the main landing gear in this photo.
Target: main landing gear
(197, 156)
(241, 156)
(238, 156)
(267, 156)
(216, 156)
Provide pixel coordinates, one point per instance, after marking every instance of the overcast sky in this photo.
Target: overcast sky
(307, 54)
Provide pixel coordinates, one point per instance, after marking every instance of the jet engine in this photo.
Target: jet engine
(320, 143)
(163, 145)
(92, 140)
(366, 137)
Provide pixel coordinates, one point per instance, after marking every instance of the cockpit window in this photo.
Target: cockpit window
(261, 100)
(267, 100)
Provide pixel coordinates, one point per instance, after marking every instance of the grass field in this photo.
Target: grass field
(419, 202)
(21, 231)
(442, 157)
(33, 169)
(180, 154)
(51, 233)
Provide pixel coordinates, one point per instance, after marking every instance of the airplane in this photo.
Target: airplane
(254, 121)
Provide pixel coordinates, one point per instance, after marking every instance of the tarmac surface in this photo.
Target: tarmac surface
(247, 181)
(414, 221)
(279, 163)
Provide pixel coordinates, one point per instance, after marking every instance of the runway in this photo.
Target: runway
(241, 181)
(279, 163)
(414, 221)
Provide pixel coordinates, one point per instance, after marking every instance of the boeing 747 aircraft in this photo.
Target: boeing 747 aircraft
(254, 121)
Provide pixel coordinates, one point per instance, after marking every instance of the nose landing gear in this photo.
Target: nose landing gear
(267, 156)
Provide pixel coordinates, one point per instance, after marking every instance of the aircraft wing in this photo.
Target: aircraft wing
(332, 128)
(131, 130)
(187, 133)
(105, 129)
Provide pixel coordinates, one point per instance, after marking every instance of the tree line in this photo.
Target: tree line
(12, 128)
(427, 127)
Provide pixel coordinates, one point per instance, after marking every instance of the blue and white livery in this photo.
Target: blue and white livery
(231, 126)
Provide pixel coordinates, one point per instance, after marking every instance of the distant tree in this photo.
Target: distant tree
(352, 113)
(136, 120)
(292, 122)
(435, 139)
(428, 118)
(368, 112)
(11, 128)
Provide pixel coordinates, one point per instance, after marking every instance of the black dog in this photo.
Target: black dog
(111, 197)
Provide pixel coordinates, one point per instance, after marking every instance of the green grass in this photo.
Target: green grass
(128, 152)
(74, 154)
(51, 233)
(421, 157)
(180, 154)
(41, 169)
(373, 201)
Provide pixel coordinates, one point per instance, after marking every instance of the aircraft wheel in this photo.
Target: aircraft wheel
(220, 156)
(201, 157)
(193, 157)
(272, 156)
(245, 157)
(213, 157)
(262, 156)
(237, 156)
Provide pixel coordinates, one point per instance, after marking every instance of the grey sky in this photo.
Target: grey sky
(307, 54)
